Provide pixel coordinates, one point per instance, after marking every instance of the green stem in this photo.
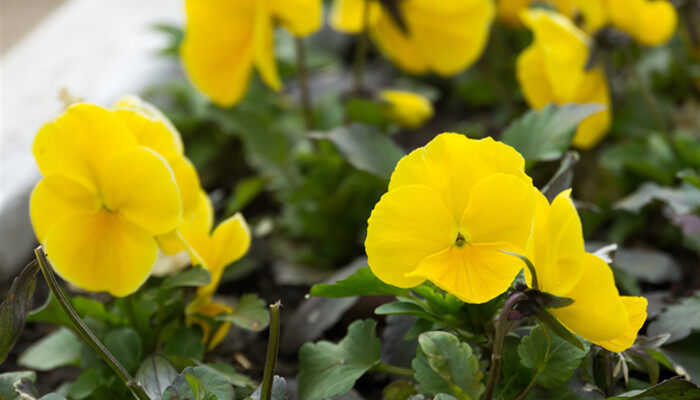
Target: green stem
(528, 388)
(499, 341)
(84, 332)
(272, 347)
(361, 50)
(392, 370)
(304, 82)
(647, 94)
(609, 380)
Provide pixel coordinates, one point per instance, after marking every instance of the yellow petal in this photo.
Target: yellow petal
(195, 232)
(593, 129)
(187, 183)
(407, 225)
(597, 312)
(56, 197)
(649, 22)
(153, 134)
(637, 314)
(452, 163)
(533, 79)
(397, 47)
(300, 17)
(500, 209)
(101, 252)
(264, 47)
(509, 11)
(80, 144)
(217, 50)
(475, 273)
(140, 186)
(229, 242)
(408, 110)
(348, 15)
(593, 13)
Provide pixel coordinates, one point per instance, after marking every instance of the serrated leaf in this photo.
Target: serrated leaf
(365, 148)
(250, 313)
(15, 308)
(554, 359)
(445, 365)
(361, 283)
(199, 383)
(279, 390)
(155, 374)
(59, 348)
(545, 134)
(328, 369)
(673, 389)
(193, 277)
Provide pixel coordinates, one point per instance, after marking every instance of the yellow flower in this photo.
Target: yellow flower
(452, 206)
(214, 251)
(408, 110)
(443, 36)
(225, 39)
(556, 249)
(509, 10)
(552, 70)
(650, 22)
(101, 201)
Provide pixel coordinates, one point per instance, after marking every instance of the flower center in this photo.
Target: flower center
(460, 240)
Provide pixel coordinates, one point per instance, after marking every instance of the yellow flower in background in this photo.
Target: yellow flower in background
(452, 206)
(102, 200)
(214, 251)
(650, 22)
(556, 249)
(408, 110)
(443, 36)
(509, 10)
(224, 41)
(552, 70)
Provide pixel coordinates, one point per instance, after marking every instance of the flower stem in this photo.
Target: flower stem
(499, 341)
(361, 50)
(272, 347)
(392, 370)
(85, 333)
(303, 82)
(528, 388)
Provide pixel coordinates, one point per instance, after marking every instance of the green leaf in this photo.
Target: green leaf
(328, 369)
(8, 380)
(25, 388)
(194, 277)
(673, 389)
(561, 180)
(15, 308)
(185, 342)
(365, 111)
(245, 191)
(88, 381)
(544, 135)
(52, 396)
(155, 374)
(279, 390)
(404, 308)
(548, 319)
(399, 390)
(361, 283)
(125, 345)
(199, 383)
(444, 365)
(229, 374)
(250, 313)
(59, 348)
(52, 313)
(365, 148)
(679, 320)
(554, 359)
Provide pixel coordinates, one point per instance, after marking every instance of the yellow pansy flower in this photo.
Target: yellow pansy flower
(408, 110)
(650, 22)
(102, 199)
(509, 10)
(214, 251)
(556, 249)
(451, 207)
(552, 70)
(224, 41)
(443, 36)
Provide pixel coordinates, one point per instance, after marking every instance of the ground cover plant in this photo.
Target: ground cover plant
(376, 199)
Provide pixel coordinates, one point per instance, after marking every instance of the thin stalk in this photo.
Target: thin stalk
(304, 82)
(392, 370)
(648, 96)
(528, 388)
(272, 347)
(361, 50)
(499, 340)
(609, 380)
(84, 332)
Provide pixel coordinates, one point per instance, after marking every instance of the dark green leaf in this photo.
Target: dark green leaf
(199, 383)
(679, 320)
(196, 277)
(544, 135)
(365, 111)
(444, 365)
(185, 342)
(57, 349)
(561, 180)
(125, 345)
(250, 313)
(155, 374)
(245, 191)
(361, 283)
(399, 390)
(86, 384)
(549, 320)
(404, 308)
(552, 357)
(279, 390)
(15, 308)
(52, 313)
(328, 369)
(672, 389)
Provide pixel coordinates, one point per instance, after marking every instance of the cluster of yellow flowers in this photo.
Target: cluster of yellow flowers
(454, 206)
(116, 187)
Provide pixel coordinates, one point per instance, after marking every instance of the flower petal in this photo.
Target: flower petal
(637, 314)
(217, 50)
(592, 129)
(152, 133)
(475, 273)
(101, 252)
(597, 313)
(187, 183)
(397, 47)
(80, 144)
(533, 79)
(347, 15)
(452, 164)
(230, 241)
(140, 186)
(264, 47)
(300, 17)
(56, 197)
(407, 225)
(500, 209)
